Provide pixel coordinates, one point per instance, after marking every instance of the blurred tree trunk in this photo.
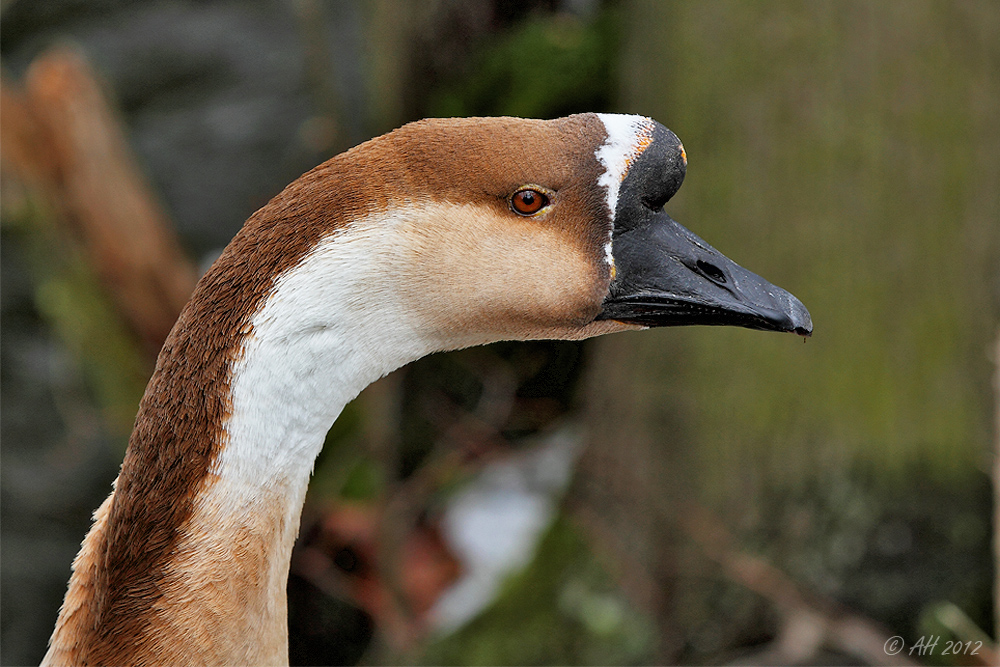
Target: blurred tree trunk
(635, 416)
(635, 434)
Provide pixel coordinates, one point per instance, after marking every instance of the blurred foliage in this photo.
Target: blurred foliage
(566, 610)
(343, 468)
(547, 66)
(69, 296)
(541, 376)
(891, 550)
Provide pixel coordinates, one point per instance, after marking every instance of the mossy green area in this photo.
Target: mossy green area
(845, 152)
(545, 67)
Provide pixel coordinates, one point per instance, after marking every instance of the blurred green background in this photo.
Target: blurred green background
(847, 151)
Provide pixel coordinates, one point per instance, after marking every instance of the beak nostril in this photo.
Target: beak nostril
(714, 273)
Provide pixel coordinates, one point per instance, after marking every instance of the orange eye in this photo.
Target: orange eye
(528, 201)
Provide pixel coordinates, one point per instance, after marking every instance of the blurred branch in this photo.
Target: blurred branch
(469, 440)
(60, 136)
(809, 622)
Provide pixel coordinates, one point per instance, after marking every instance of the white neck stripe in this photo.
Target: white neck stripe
(312, 347)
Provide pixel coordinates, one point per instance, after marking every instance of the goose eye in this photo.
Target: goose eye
(528, 201)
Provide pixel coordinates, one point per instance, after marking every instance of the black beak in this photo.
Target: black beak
(667, 276)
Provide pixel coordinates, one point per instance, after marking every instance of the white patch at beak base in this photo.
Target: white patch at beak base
(628, 137)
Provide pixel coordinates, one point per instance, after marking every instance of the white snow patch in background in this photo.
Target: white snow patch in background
(494, 525)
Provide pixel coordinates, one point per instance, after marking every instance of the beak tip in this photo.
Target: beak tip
(800, 320)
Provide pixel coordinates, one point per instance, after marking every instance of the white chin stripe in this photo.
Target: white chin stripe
(628, 137)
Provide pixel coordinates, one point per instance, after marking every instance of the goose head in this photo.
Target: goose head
(523, 229)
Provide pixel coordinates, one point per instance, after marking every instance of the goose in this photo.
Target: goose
(443, 234)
